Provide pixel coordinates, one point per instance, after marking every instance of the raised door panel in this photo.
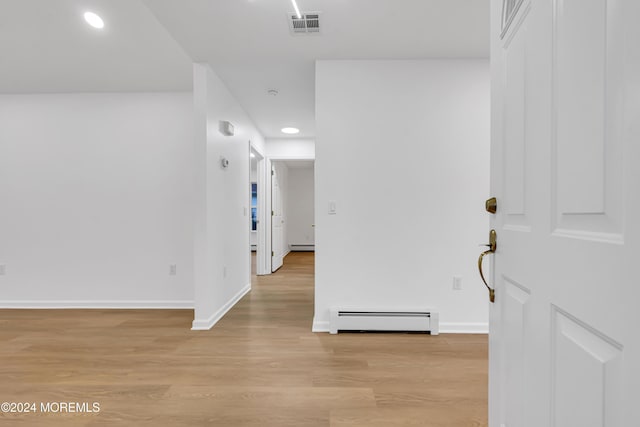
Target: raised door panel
(514, 309)
(586, 375)
(516, 126)
(588, 155)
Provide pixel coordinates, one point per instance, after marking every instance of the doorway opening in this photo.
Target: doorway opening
(257, 210)
(292, 205)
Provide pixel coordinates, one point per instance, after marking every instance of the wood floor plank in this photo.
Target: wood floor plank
(260, 366)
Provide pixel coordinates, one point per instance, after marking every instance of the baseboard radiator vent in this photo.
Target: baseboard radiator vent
(302, 248)
(377, 320)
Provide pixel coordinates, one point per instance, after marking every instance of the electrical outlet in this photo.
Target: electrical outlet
(173, 270)
(2, 269)
(457, 283)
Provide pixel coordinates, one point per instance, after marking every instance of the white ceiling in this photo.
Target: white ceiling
(47, 47)
(249, 45)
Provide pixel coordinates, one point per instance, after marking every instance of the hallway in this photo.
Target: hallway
(259, 366)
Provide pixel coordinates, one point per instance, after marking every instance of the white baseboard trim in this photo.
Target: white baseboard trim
(206, 324)
(96, 304)
(464, 328)
(320, 326)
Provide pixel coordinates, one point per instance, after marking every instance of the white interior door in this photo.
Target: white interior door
(277, 229)
(564, 340)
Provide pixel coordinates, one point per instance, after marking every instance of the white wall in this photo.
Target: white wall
(413, 215)
(300, 207)
(292, 148)
(222, 225)
(97, 200)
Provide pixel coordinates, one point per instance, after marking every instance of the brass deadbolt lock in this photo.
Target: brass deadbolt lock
(491, 205)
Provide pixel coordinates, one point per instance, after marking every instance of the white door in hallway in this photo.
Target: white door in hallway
(565, 163)
(277, 230)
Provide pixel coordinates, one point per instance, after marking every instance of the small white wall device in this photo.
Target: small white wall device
(226, 128)
(224, 163)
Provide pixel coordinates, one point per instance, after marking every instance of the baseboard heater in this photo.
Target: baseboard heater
(302, 248)
(377, 320)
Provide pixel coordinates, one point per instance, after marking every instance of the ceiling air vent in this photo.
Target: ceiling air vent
(309, 23)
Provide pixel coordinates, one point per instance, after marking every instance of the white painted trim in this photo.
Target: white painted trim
(268, 258)
(516, 27)
(464, 328)
(280, 158)
(169, 305)
(261, 248)
(206, 324)
(320, 326)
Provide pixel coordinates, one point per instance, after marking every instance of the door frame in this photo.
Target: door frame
(267, 228)
(261, 225)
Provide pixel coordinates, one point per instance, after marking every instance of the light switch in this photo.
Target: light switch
(332, 207)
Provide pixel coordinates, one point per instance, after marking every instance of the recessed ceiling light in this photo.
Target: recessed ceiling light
(290, 131)
(94, 20)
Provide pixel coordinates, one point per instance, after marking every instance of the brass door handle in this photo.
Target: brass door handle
(492, 248)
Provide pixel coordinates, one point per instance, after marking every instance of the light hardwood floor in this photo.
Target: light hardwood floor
(259, 366)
